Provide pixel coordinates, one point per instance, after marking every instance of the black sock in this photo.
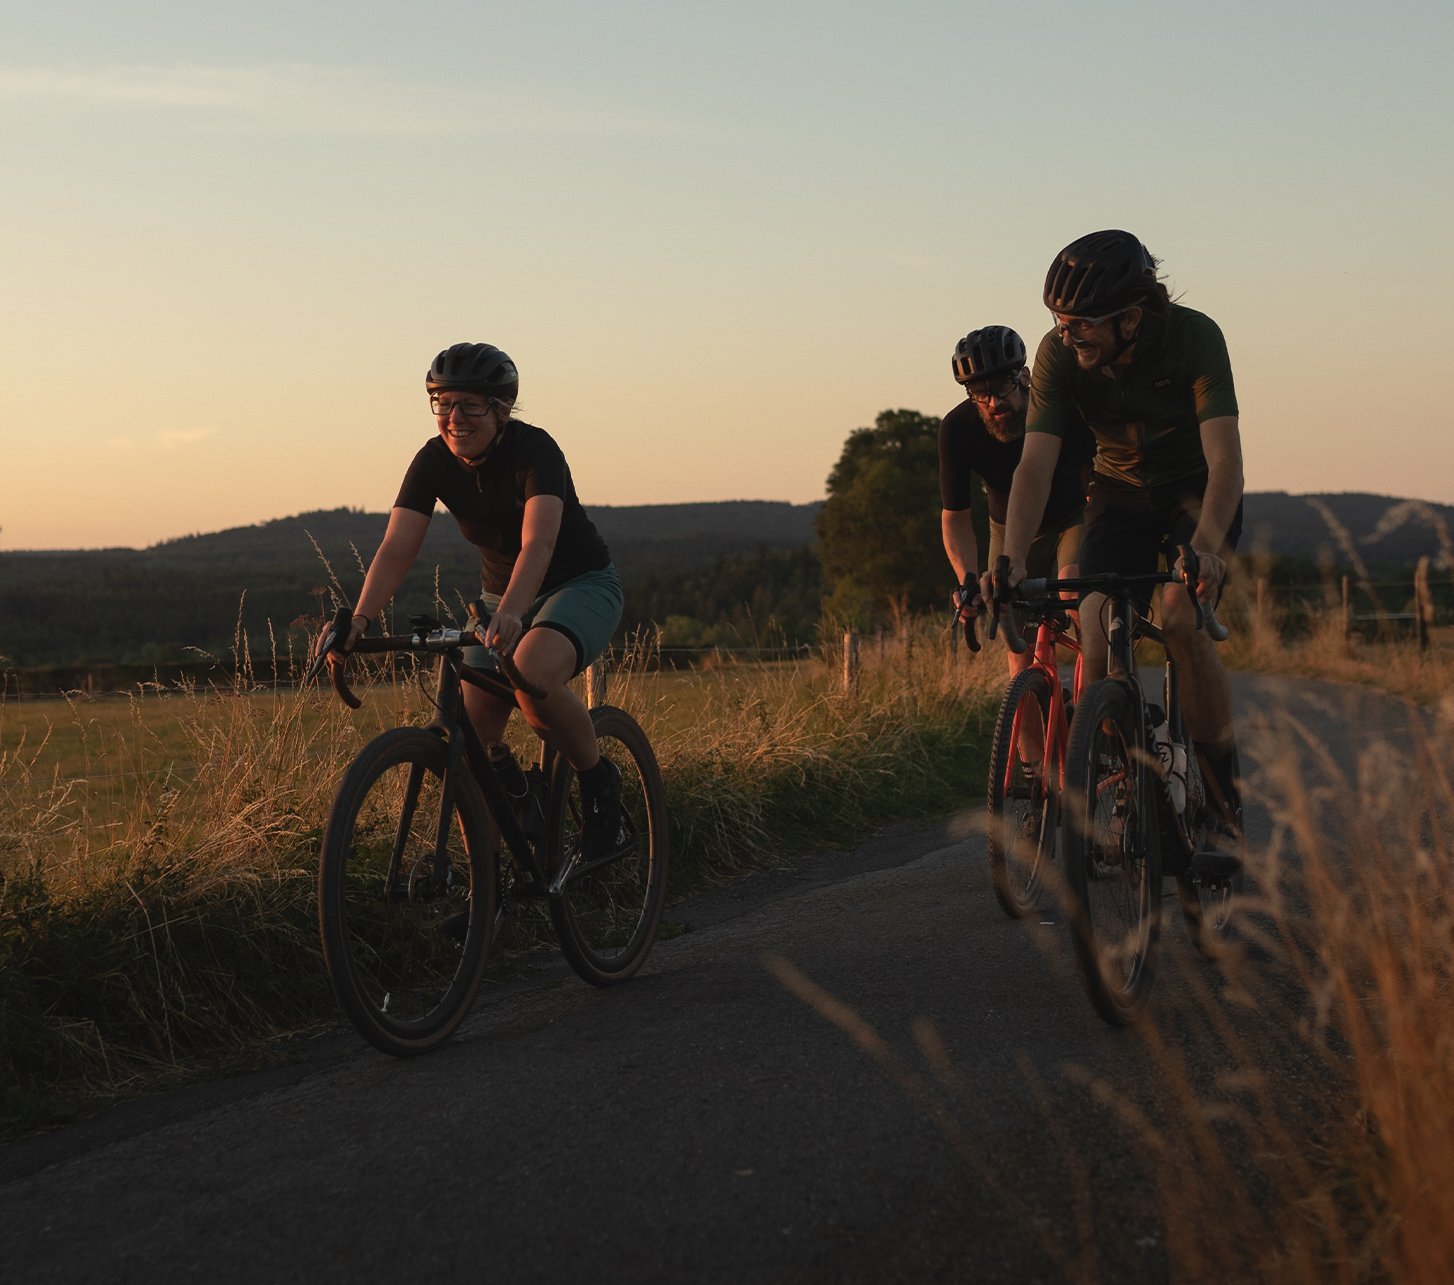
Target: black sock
(594, 778)
(1223, 777)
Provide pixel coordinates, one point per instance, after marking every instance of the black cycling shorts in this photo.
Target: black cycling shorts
(1129, 529)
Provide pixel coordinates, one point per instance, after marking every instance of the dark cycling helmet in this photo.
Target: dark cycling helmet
(474, 368)
(1099, 274)
(994, 350)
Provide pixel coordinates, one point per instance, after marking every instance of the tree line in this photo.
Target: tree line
(870, 555)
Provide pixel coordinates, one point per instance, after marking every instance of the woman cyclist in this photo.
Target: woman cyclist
(548, 581)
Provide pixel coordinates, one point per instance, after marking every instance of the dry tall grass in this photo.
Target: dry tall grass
(157, 867)
(1293, 1107)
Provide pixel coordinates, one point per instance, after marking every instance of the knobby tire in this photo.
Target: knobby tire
(1112, 851)
(406, 895)
(606, 916)
(1022, 805)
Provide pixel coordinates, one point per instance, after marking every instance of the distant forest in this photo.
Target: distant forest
(731, 574)
(728, 574)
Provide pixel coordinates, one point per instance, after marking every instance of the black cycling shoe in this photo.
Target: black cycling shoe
(601, 819)
(456, 926)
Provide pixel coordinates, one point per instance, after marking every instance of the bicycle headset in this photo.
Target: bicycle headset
(474, 368)
(990, 351)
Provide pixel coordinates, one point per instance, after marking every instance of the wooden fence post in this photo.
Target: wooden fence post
(850, 661)
(1423, 604)
(1347, 611)
(596, 683)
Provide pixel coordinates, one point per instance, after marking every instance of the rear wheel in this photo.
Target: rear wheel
(606, 911)
(1112, 852)
(406, 893)
(1022, 802)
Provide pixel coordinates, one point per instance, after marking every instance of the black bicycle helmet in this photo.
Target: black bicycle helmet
(993, 350)
(474, 368)
(1099, 274)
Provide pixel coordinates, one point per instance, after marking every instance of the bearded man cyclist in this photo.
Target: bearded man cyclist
(984, 435)
(1154, 382)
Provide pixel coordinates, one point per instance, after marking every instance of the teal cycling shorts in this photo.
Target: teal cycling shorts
(586, 610)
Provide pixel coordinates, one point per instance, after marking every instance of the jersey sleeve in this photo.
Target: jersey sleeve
(1052, 391)
(1212, 373)
(956, 491)
(419, 492)
(545, 471)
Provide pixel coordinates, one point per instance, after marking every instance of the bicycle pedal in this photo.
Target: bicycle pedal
(1213, 868)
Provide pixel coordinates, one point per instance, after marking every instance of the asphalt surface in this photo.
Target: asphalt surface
(851, 1069)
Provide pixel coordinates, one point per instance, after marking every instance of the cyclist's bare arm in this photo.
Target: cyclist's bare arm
(539, 529)
(957, 527)
(402, 541)
(1028, 494)
(1222, 446)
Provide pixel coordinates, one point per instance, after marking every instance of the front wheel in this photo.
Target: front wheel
(606, 911)
(1022, 798)
(1112, 851)
(406, 893)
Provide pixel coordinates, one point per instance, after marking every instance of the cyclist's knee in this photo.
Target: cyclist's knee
(1178, 620)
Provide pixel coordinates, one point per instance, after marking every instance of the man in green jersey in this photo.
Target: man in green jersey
(1154, 382)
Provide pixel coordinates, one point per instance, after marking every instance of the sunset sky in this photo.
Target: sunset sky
(714, 238)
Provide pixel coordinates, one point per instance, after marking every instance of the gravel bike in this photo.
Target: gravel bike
(1133, 801)
(412, 887)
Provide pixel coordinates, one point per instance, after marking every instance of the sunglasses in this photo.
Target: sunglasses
(1080, 326)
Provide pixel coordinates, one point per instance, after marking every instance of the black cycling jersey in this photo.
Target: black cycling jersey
(488, 502)
(966, 446)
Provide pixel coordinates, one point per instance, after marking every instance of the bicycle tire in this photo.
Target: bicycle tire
(1021, 806)
(1112, 851)
(389, 910)
(606, 916)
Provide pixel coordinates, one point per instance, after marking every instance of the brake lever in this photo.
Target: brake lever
(342, 623)
(1190, 571)
(1014, 634)
(965, 593)
(1206, 612)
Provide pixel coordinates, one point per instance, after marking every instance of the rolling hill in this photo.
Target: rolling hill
(194, 594)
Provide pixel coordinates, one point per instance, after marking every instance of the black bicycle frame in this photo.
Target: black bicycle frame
(466, 749)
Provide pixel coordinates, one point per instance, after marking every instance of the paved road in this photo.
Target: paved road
(855, 1069)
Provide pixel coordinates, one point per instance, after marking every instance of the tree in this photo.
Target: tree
(878, 531)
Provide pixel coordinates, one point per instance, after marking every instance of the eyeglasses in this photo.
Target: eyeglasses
(1080, 326)
(470, 410)
(1001, 391)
